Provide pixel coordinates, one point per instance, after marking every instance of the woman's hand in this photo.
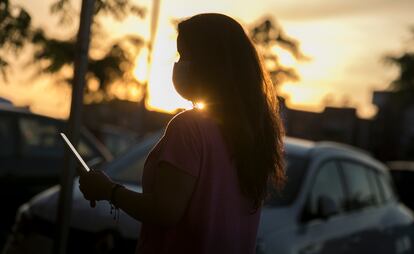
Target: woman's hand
(95, 185)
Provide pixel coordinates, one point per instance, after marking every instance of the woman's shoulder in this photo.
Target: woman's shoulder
(190, 116)
(194, 119)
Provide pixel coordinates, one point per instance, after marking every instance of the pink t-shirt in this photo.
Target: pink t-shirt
(219, 219)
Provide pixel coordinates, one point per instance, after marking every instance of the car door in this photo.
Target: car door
(397, 220)
(8, 157)
(329, 234)
(8, 147)
(363, 208)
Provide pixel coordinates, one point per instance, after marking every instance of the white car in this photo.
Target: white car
(337, 200)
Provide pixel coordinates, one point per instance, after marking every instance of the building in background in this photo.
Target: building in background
(332, 124)
(388, 136)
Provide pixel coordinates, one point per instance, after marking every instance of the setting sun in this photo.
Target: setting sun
(162, 95)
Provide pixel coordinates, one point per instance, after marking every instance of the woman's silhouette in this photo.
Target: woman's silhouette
(205, 181)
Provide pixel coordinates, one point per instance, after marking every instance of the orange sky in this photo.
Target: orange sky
(346, 40)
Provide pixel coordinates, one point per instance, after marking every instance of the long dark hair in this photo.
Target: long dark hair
(231, 80)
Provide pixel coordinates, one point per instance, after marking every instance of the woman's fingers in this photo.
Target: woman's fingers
(89, 198)
(83, 187)
(95, 185)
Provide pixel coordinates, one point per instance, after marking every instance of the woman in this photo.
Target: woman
(205, 181)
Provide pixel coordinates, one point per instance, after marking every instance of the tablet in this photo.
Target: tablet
(77, 155)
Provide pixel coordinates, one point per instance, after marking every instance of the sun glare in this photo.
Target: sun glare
(200, 105)
(162, 95)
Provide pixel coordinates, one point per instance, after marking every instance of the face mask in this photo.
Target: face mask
(183, 79)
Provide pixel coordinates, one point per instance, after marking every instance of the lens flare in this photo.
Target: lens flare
(199, 105)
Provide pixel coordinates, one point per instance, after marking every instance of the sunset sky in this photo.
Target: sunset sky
(345, 39)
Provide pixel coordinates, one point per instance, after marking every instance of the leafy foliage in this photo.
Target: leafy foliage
(268, 34)
(53, 56)
(15, 25)
(53, 52)
(403, 85)
(114, 65)
(118, 9)
(405, 79)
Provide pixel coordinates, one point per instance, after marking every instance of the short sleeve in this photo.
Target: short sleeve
(181, 145)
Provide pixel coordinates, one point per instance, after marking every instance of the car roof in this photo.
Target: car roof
(11, 108)
(330, 146)
(306, 148)
(298, 147)
(401, 165)
(348, 152)
(23, 111)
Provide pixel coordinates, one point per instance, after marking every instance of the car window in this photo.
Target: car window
(129, 166)
(39, 138)
(85, 150)
(7, 146)
(295, 171)
(327, 183)
(387, 190)
(374, 185)
(132, 172)
(360, 194)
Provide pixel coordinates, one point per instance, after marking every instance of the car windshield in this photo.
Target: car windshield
(128, 168)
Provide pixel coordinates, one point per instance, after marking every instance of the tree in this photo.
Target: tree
(112, 62)
(268, 34)
(403, 85)
(15, 25)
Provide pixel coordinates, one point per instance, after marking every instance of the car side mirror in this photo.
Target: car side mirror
(326, 207)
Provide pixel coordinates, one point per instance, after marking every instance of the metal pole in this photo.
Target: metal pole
(73, 127)
(153, 31)
(154, 22)
(155, 12)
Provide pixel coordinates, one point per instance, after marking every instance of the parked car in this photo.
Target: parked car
(31, 154)
(402, 173)
(345, 203)
(337, 200)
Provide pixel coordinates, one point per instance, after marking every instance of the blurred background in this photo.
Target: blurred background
(328, 59)
(344, 72)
